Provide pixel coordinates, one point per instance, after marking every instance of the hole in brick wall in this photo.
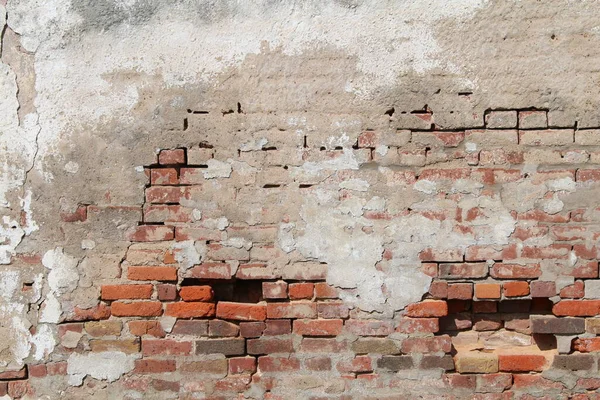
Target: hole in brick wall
(390, 112)
(237, 290)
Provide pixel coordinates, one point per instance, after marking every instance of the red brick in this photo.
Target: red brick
(153, 273)
(322, 363)
(461, 291)
(430, 255)
(241, 365)
(173, 156)
(236, 383)
(252, 329)
(241, 311)
(101, 311)
(588, 175)
(540, 216)
(418, 325)
(37, 371)
(274, 290)
(14, 374)
(369, 327)
(192, 309)
(191, 327)
(543, 289)
(463, 271)
(515, 271)
(358, 364)
(427, 344)
(116, 292)
(485, 307)
(137, 309)
(166, 292)
(167, 194)
(196, 293)
(275, 327)
(318, 327)
(487, 290)
(150, 233)
(162, 385)
(497, 382)
(325, 291)
(521, 362)
(535, 382)
(515, 289)
(300, 291)
(553, 251)
(57, 368)
(425, 309)
(438, 289)
(586, 345)
(585, 251)
(18, 389)
(585, 269)
(459, 381)
(141, 328)
(332, 310)
(323, 345)
(278, 364)
(163, 176)
(149, 366)
(292, 310)
(218, 328)
(484, 253)
(211, 271)
(574, 291)
(152, 347)
(79, 215)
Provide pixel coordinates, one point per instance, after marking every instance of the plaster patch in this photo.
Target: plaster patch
(63, 276)
(107, 365)
(216, 169)
(188, 253)
(43, 341)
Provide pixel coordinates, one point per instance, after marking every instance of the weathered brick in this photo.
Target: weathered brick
(332, 309)
(369, 327)
(192, 328)
(274, 290)
(307, 271)
(358, 364)
(548, 137)
(218, 328)
(515, 271)
(127, 346)
(494, 383)
(543, 289)
(275, 327)
(476, 362)
(211, 271)
(152, 347)
(463, 271)
(586, 345)
(501, 119)
(461, 291)
(278, 364)
(395, 363)
(549, 324)
(573, 362)
(325, 291)
(457, 381)
(150, 233)
(163, 176)
(292, 310)
(252, 329)
(14, 374)
(166, 292)
(418, 325)
(227, 347)
(192, 309)
(433, 361)
(427, 344)
(216, 367)
(318, 363)
(318, 327)
(375, 346)
(103, 328)
(269, 345)
(141, 328)
(172, 156)
(241, 365)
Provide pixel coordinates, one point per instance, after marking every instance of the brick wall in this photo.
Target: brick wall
(207, 305)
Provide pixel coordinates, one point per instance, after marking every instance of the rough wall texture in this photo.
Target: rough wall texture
(299, 200)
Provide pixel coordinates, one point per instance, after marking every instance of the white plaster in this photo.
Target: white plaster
(216, 169)
(359, 185)
(71, 167)
(63, 276)
(107, 365)
(188, 253)
(43, 341)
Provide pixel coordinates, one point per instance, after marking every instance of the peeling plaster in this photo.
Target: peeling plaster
(107, 365)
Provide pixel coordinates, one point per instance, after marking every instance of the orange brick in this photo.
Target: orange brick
(196, 293)
(515, 289)
(116, 292)
(137, 309)
(152, 273)
(241, 311)
(325, 291)
(487, 290)
(141, 328)
(577, 308)
(521, 362)
(299, 291)
(427, 308)
(193, 309)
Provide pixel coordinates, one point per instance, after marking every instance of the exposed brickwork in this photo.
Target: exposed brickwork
(249, 317)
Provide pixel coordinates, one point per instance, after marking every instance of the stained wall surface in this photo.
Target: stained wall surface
(350, 199)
